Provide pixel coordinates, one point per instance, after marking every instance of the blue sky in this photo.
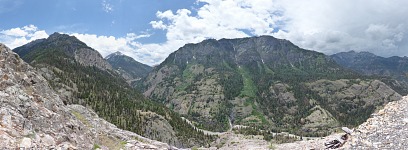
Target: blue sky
(101, 17)
(149, 30)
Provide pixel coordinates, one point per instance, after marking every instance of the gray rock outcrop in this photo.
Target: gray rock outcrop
(386, 129)
(33, 116)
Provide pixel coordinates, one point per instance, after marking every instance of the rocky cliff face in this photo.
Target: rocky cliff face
(386, 129)
(89, 57)
(259, 81)
(33, 116)
(59, 60)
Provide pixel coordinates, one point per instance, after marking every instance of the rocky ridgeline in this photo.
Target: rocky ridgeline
(386, 129)
(33, 116)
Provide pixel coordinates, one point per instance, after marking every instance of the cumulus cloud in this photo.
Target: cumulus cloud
(218, 19)
(333, 26)
(214, 19)
(128, 45)
(106, 45)
(16, 37)
(377, 26)
(321, 25)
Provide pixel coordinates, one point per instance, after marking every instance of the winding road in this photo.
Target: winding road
(241, 126)
(209, 132)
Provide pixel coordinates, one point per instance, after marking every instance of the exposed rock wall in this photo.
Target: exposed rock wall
(32, 115)
(90, 57)
(263, 82)
(386, 129)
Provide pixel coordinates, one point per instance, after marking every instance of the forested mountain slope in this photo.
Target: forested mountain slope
(81, 76)
(263, 82)
(33, 116)
(369, 64)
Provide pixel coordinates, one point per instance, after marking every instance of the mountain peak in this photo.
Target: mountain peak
(361, 53)
(129, 68)
(57, 35)
(114, 54)
(30, 106)
(118, 53)
(61, 46)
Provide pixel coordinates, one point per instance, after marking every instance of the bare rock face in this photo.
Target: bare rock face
(33, 116)
(90, 57)
(31, 112)
(386, 129)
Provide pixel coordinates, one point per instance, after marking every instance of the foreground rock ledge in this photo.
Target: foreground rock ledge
(386, 129)
(32, 115)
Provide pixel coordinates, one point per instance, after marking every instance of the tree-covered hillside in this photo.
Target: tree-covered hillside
(262, 82)
(392, 70)
(106, 92)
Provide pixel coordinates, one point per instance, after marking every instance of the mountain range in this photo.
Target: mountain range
(82, 76)
(369, 64)
(264, 83)
(33, 115)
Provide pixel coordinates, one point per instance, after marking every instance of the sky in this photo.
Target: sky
(149, 30)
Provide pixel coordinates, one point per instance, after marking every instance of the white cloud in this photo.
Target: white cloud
(215, 19)
(106, 6)
(333, 26)
(106, 45)
(128, 45)
(16, 37)
(326, 26)
(218, 19)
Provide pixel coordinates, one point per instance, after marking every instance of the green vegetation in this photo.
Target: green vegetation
(249, 89)
(81, 118)
(126, 64)
(105, 92)
(267, 135)
(272, 146)
(109, 142)
(96, 146)
(264, 82)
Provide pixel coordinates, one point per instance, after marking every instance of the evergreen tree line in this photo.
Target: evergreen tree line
(112, 99)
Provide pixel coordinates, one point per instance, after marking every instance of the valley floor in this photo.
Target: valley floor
(386, 129)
